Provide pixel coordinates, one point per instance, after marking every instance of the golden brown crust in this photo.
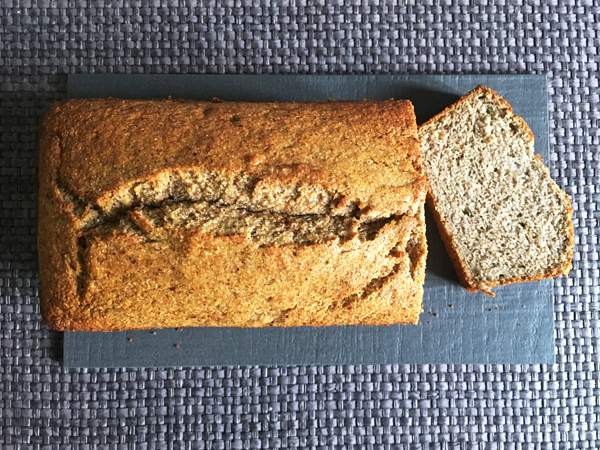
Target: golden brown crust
(56, 235)
(463, 273)
(276, 142)
(118, 277)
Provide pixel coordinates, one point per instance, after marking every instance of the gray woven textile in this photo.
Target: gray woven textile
(454, 407)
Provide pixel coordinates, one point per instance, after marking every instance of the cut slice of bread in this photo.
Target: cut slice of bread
(502, 218)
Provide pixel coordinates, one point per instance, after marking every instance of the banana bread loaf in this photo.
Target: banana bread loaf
(179, 213)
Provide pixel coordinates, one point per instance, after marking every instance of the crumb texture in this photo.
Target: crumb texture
(181, 238)
(222, 205)
(505, 217)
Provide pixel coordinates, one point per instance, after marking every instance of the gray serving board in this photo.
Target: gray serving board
(456, 326)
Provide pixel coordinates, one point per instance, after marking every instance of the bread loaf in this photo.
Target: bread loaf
(501, 216)
(179, 213)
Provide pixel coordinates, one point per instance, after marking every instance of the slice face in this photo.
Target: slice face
(501, 216)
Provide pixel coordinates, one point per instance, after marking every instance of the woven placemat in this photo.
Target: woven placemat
(44, 405)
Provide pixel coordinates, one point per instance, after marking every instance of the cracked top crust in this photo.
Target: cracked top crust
(342, 147)
(178, 213)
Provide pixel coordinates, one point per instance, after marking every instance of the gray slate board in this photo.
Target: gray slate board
(456, 326)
